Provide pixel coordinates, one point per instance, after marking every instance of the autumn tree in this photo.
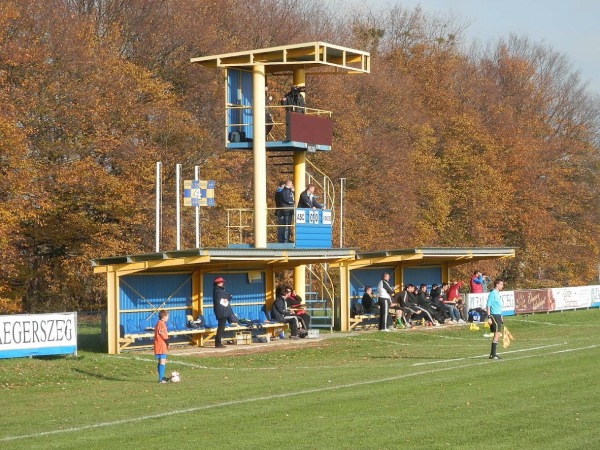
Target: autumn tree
(441, 145)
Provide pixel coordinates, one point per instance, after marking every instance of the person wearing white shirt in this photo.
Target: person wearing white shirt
(384, 299)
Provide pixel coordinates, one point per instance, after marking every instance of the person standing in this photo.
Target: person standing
(287, 211)
(486, 283)
(476, 283)
(384, 299)
(494, 310)
(161, 344)
(307, 199)
(279, 212)
(222, 310)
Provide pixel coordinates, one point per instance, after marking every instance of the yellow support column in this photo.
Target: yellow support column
(197, 300)
(269, 288)
(399, 276)
(299, 78)
(445, 273)
(112, 316)
(260, 156)
(344, 302)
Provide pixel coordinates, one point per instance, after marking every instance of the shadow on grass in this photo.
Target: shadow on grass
(97, 375)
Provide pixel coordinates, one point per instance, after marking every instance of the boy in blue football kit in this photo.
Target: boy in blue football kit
(494, 310)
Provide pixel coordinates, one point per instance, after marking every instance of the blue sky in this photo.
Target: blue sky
(571, 27)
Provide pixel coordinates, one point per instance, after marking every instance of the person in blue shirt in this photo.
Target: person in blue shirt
(494, 310)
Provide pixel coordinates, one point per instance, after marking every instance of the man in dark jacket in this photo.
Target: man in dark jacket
(403, 301)
(437, 303)
(280, 313)
(222, 309)
(279, 211)
(413, 304)
(307, 199)
(284, 202)
(424, 301)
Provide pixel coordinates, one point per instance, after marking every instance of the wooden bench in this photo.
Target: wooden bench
(200, 335)
(365, 321)
(130, 338)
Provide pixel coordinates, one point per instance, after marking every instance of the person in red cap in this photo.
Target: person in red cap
(222, 309)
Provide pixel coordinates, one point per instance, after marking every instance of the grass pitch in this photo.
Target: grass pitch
(430, 388)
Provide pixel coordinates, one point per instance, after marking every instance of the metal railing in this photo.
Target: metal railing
(326, 187)
(240, 225)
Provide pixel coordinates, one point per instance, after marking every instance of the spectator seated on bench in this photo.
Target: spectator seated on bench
(262, 320)
(280, 313)
(367, 302)
(294, 303)
(364, 313)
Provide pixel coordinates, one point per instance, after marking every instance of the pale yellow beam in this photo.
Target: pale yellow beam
(343, 309)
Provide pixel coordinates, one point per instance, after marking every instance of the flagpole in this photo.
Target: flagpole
(197, 178)
(158, 187)
(178, 203)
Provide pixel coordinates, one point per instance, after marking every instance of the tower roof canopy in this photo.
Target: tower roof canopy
(309, 55)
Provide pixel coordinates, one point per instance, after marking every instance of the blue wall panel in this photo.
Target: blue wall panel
(239, 93)
(310, 229)
(422, 275)
(246, 83)
(150, 293)
(367, 277)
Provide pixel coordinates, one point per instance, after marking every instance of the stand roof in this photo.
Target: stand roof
(453, 256)
(288, 57)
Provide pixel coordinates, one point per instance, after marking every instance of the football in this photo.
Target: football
(175, 377)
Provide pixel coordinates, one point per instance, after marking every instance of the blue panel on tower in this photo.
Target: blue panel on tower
(313, 228)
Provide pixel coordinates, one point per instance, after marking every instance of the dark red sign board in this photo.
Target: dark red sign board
(309, 128)
(534, 300)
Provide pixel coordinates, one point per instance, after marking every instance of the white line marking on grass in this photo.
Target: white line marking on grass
(196, 366)
(575, 349)
(381, 341)
(188, 364)
(536, 322)
(278, 396)
(441, 336)
(543, 323)
(442, 361)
